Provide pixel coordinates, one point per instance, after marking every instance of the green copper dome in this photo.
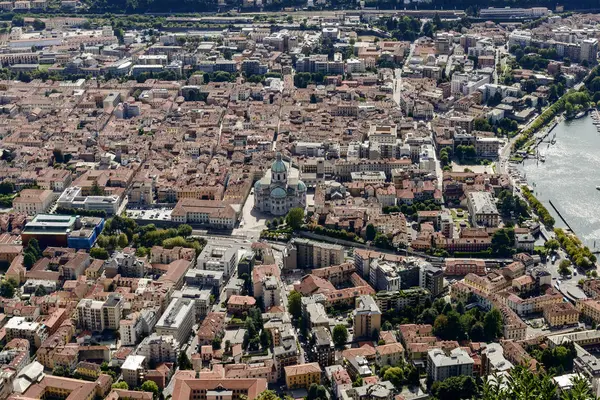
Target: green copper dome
(278, 165)
(278, 193)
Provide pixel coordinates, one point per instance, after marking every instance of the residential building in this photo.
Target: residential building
(441, 366)
(561, 314)
(159, 348)
(366, 317)
(302, 375)
(96, 315)
(133, 370)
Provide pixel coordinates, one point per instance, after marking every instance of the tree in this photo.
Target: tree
(150, 386)
(18, 20)
(216, 343)
(395, 375)
(184, 230)
(39, 25)
(503, 241)
(28, 260)
(7, 288)
(96, 189)
(295, 304)
(340, 336)
(99, 253)
(477, 332)
(268, 395)
(40, 291)
(371, 232)
(265, 339)
(492, 325)
(563, 267)
(121, 385)
(183, 361)
(295, 218)
(123, 241)
(552, 244)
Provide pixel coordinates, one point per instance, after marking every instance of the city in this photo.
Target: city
(315, 200)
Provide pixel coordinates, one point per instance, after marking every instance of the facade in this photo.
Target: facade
(304, 253)
(561, 314)
(279, 190)
(158, 349)
(302, 375)
(215, 257)
(441, 366)
(482, 209)
(366, 317)
(133, 370)
(20, 328)
(73, 197)
(177, 320)
(95, 315)
(33, 201)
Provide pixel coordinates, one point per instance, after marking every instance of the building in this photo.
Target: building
(213, 325)
(96, 315)
(158, 349)
(63, 231)
(590, 309)
(133, 370)
(304, 253)
(323, 350)
(218, 257)
(188, 387)
(561, 314)
(366, 317)
(73, 198)
(460, 266)
(177, 320)
(280, 189)
(240, 304)
(589, 51)
(482, 209)
(20, 328)
(302, 375)
(33, 201)
(441, 366)
(210, 213)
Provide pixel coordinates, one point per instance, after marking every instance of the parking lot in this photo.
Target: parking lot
(153, 214)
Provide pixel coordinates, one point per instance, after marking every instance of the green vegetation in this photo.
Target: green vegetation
(538, 207)
(400, 374)
(255, 335)
(340, 336)
(503, 242)
(334, 233)
(119, 232)
(85, 213)
(121, 385)
(295, 218)
(455, 388)
(295, 304)
(411, 211)
(32, 253)
(150, 386)
(511, 206)
(183, 362)
(563, 267)
(317, 392)
(303, 79)
(558, 360)
(450, 322)
(580, 255)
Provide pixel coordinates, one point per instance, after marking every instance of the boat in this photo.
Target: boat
(579, 115)
(542, 158)
(597, 187)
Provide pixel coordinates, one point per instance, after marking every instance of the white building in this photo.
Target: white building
(440, 366)
(280, 189)
(96, 315)
(177, 320)
(133, 370)
(159, 349)
(72, 198)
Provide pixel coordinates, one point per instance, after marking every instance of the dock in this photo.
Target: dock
(596, 119)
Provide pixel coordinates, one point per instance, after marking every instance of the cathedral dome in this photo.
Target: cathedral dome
(278, 193)
(278, 165)
(301, 186)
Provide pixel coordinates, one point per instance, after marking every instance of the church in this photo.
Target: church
(280, 189)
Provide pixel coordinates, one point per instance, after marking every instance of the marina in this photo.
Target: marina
(568, 177)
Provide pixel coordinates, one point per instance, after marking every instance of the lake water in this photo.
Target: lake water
(569, 177)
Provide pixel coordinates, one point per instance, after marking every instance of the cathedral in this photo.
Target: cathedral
(279, 190)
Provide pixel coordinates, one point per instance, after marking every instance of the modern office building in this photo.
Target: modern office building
(177, 320)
